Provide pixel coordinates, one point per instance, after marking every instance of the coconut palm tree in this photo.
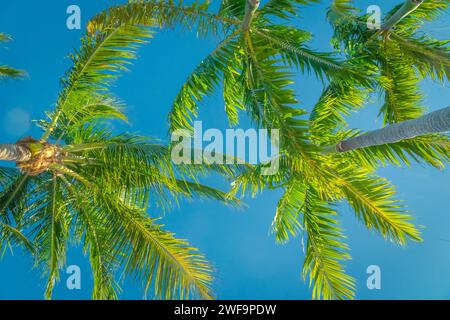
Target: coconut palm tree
(81, 183)
(398, 40)
(400, 53)
(253, 62)
(6, 71)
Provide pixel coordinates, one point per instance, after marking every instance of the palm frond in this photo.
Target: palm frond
(428, 11)
(338, 101)
(373, 201)
(232, 8)
(156, 257)
(325, 249)
(284, 9)
(287, 217)
(89, 226)
(142, 170)
(48, 222)
(165, 14)
(342, 10)
(288, 42)
(431, 57)
(99, 61)
(6, 71)
(203, 81)
(12, 197)
(400, 84)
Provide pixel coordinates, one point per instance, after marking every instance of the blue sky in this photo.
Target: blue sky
(248, 262)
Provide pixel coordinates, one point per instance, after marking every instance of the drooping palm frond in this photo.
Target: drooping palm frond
(320, 182)
(301, 210)
(325, 249)
(13, 187)
(286, 222)
(154, 256)
(91, 230)
(12, 198)
(373, 200)
(401, 90)
(53, 234)
(431, 57)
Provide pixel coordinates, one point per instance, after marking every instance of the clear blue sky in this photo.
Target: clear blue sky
(248, 262)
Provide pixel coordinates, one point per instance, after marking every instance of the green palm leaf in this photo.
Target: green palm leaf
(6, 71)
(373, 200)
(100, 60)
(284, 8)
(325, 249)
(428, 11)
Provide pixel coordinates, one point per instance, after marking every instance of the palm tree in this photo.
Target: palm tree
(5, 71)
(399, 53)
(80, 183)
(404, 58)
(254, 63)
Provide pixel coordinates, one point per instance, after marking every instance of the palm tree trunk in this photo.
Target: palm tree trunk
(408, 7)
(250, 8)
(14, 152)
(434, 122)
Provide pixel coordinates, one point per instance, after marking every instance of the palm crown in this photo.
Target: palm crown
(398, 56)
(82, 184)
(402, 54)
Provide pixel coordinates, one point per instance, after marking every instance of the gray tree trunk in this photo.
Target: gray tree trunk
(434, 122)
(250, 8)
(14, 152)
(408, 7)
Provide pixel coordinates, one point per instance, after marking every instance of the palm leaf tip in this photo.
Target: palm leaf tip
(373, 200)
